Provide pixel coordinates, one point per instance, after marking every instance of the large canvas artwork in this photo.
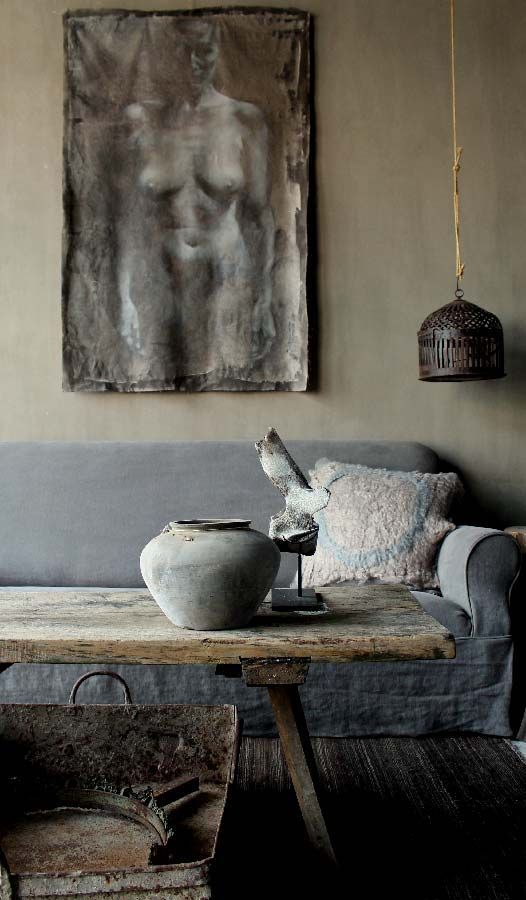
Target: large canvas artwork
(185, 197)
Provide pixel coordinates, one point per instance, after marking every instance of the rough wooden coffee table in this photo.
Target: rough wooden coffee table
(380, 622)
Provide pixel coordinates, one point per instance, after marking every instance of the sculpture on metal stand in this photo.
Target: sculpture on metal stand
(294, 529)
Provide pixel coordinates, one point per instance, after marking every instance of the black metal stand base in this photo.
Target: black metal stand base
(288, 599)
(297, 598)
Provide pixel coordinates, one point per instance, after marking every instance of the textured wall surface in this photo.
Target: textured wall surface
(385, 251)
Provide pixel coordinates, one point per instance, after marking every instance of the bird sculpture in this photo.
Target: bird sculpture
(294, 529)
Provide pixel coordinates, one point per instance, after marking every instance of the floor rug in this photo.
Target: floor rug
(433, 818)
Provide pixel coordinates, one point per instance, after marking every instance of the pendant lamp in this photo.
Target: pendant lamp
(460, 341)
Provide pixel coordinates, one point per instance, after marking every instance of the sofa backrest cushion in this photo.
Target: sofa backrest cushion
(78, 514)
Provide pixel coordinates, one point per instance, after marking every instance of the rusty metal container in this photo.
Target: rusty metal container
(113, 802)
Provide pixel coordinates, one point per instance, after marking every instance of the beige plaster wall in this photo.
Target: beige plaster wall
(385, 239)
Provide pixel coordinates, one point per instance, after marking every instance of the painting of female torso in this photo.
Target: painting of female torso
(185, 197)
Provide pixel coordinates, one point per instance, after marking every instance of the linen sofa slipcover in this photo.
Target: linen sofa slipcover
(78, 514)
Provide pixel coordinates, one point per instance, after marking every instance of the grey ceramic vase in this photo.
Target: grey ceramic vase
(209, 574)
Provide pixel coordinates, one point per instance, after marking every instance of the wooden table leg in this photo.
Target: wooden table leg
(297, 748)
(281, 678)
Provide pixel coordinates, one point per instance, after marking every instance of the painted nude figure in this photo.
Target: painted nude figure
(195, 259)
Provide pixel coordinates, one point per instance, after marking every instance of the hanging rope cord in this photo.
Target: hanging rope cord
(457, 151)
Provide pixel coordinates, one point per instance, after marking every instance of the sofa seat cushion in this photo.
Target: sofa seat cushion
(445, 611)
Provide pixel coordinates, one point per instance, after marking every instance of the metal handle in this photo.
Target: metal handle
(79, 681)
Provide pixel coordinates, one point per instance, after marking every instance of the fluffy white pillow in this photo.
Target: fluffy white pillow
(380, 525)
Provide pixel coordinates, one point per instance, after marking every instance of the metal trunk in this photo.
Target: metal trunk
(84, 850)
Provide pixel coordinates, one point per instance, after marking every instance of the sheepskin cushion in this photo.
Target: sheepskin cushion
(380, 525)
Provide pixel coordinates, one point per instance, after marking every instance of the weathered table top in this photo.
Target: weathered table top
(361, 623)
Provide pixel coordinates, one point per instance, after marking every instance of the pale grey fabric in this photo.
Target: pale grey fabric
(476, 569)
(470, 693)
(447, 612)
(79, 514)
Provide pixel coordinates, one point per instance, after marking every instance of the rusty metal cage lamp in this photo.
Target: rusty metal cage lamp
(460, 341)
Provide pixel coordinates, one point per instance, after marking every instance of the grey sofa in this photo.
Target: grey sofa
(78, 514)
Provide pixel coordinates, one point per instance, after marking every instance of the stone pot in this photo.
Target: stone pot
(209, 574)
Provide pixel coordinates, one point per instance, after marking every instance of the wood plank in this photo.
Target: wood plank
(374, 622)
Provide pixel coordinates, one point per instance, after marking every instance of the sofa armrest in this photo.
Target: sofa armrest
(476, 569)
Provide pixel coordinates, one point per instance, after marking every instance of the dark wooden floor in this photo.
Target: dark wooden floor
(432, 818)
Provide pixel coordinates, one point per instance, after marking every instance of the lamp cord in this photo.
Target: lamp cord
(457, 153)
